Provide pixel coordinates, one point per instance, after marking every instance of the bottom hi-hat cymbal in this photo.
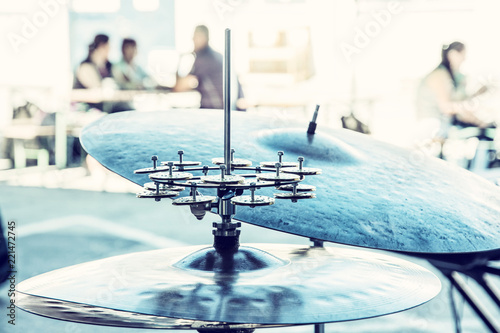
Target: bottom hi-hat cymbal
(273, 285)
(85, 314)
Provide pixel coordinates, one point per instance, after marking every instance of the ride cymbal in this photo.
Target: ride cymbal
(370, 194)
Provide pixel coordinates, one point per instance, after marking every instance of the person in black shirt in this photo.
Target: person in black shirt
(96, 67)
(96, 72)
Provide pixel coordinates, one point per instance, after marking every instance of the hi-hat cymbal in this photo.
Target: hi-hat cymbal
(86, 314)
(370, 193)
(272, 285)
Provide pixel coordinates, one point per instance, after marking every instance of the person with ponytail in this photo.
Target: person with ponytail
(96, 67)
(442, 94)
(95, 72)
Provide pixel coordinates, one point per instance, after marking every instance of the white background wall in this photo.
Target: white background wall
(386, 70)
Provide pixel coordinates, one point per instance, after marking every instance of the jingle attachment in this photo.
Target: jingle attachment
(280, 160)
(294, 195)
(252, 200)
(299, 188)
(157, 194)
(155, 168)
(181, 162)
(303, 171)
(194, 199)
(151, 186)
(223, 178)
(278, 177)
(235, 162)
(170, 176)
(205, 170)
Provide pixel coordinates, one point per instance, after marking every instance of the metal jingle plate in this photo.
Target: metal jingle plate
(151, 186)
(280, 178)
(303, 171)
(283, 164)
(183, 163)
(258, 183)
(228, 179)
(200, 199)
(160, 194)
(258, 200)
(290, 195)
(237, 162)
(151, 170)
(175, 176)
(299, 188)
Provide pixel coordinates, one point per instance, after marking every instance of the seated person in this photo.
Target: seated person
(442, 94)
(96, 66)
(95, 72)
(128, 75)
(206, 75)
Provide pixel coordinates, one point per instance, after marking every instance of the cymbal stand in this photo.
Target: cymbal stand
(174, 176)
(318, 328)
(454, 272)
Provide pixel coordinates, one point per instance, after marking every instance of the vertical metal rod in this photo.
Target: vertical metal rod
(319, 328)
(315, 115)
(227, 102)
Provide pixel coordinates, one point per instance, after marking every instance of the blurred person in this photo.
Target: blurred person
(95, 72)
(129, 75)
(442, 95)
(206, 75)
(96, 66)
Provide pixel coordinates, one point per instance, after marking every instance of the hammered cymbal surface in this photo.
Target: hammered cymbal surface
(385, 197)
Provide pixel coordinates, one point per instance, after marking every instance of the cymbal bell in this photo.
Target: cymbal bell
(263, 284)
(370, 193)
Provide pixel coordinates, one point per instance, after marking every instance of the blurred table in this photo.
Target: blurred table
(141, 100)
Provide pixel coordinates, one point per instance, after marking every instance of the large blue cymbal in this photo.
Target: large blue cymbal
(274, 284)
(371, 194)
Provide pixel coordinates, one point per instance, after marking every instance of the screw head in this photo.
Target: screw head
(277, 165)
(180, 152)
(280, 153)
(300, 159)
(154, 158)
(223, 167)
(170, 164)
(253, 184)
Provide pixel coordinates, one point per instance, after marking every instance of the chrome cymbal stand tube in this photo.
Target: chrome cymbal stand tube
(318, 328)
(226, 235)
(227, 102)
(230, 189)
